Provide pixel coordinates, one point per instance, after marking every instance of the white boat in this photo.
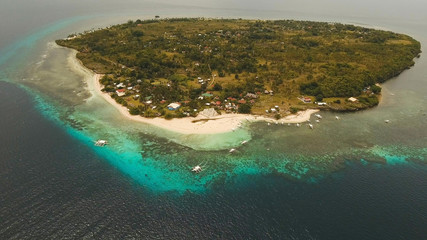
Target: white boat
(318, 116)
(196, 169)
(387, 121)
(337, 118)
(101, 143)
(244, 142)
(318, 121)
(298, 125)
(310, 126)
(232, 150)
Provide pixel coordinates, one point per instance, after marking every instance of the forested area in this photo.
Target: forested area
(251, 64)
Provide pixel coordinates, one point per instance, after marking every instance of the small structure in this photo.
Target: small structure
(321, 103)
(207, 94)
(209, 112)
(251, 95)
(121, 92)
(352, 99)
(307, 100)
(174, 106)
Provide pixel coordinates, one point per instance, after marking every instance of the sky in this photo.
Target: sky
(19, 17)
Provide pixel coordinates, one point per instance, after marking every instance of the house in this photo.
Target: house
(242, 101)
(251, 95)
(174, 106)
(207, 94)
(321, 103)
(352, 99)
(121, 92)
(307, 100)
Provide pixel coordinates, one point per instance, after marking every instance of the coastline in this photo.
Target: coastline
(188, 125)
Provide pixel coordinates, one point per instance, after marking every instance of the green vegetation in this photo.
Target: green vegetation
(243, 66)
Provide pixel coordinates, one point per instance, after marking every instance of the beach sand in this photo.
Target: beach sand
(190, 125)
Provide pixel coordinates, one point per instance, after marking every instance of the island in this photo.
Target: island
(177, 68)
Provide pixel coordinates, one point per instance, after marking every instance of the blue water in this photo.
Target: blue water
(354, 179)
(55, 186)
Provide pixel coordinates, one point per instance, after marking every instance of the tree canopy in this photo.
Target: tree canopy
(178, 60)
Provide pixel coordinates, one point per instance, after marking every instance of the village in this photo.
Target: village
(208, 103)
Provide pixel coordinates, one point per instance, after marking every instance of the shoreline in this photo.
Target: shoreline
(189, 125)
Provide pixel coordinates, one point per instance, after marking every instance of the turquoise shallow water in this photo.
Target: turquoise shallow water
(357, 178)
(160, 160)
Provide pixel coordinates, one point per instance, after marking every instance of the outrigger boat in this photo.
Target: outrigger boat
(196, 169)
(101, 143)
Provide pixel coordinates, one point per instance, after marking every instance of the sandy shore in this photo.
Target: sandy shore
(218, 124)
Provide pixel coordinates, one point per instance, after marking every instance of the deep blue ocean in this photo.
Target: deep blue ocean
(355, 179)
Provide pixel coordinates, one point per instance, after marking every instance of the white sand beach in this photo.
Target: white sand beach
(191, 125)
